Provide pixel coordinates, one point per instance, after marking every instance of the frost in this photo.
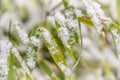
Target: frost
(52, 45)
(35, 41)
(47, 36)
(33, 50)
(117, 38)
(60, 18)
(96, 13)
(5, 46)
(23, 36)
(69, 14)
(68, 27)
(21, 61)
(31, 60)
(63, 34)
(72, 25)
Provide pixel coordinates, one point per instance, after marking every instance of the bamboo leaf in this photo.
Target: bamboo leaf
(52, 45)
(11, 74)
(86, 21)
(70, 51)
(113, 27)
(64, 32)
(46, 69)
(21, 61)
(55, 51)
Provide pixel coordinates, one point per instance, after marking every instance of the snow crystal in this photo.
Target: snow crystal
(5, 47)
(35, 41)
(96, 13)
(59, 18)
(63, 34)
(117, 38)
(23, 36)
(49, 40)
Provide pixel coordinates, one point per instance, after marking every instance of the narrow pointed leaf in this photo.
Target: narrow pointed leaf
(46, 69)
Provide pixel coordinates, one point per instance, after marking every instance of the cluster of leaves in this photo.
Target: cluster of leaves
(53, 44)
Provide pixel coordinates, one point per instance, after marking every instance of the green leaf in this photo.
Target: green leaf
(113, 25)
(11, 74)
(65, 2)
(11, 60)
(46, 69)
(80, 37)
(116, 26)
(33, 32)
(57, 25)
(54, 49)
(86, 21)
(118, 9)
(70, 51)
(52, 45)
(21, 61)
(71, 39)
